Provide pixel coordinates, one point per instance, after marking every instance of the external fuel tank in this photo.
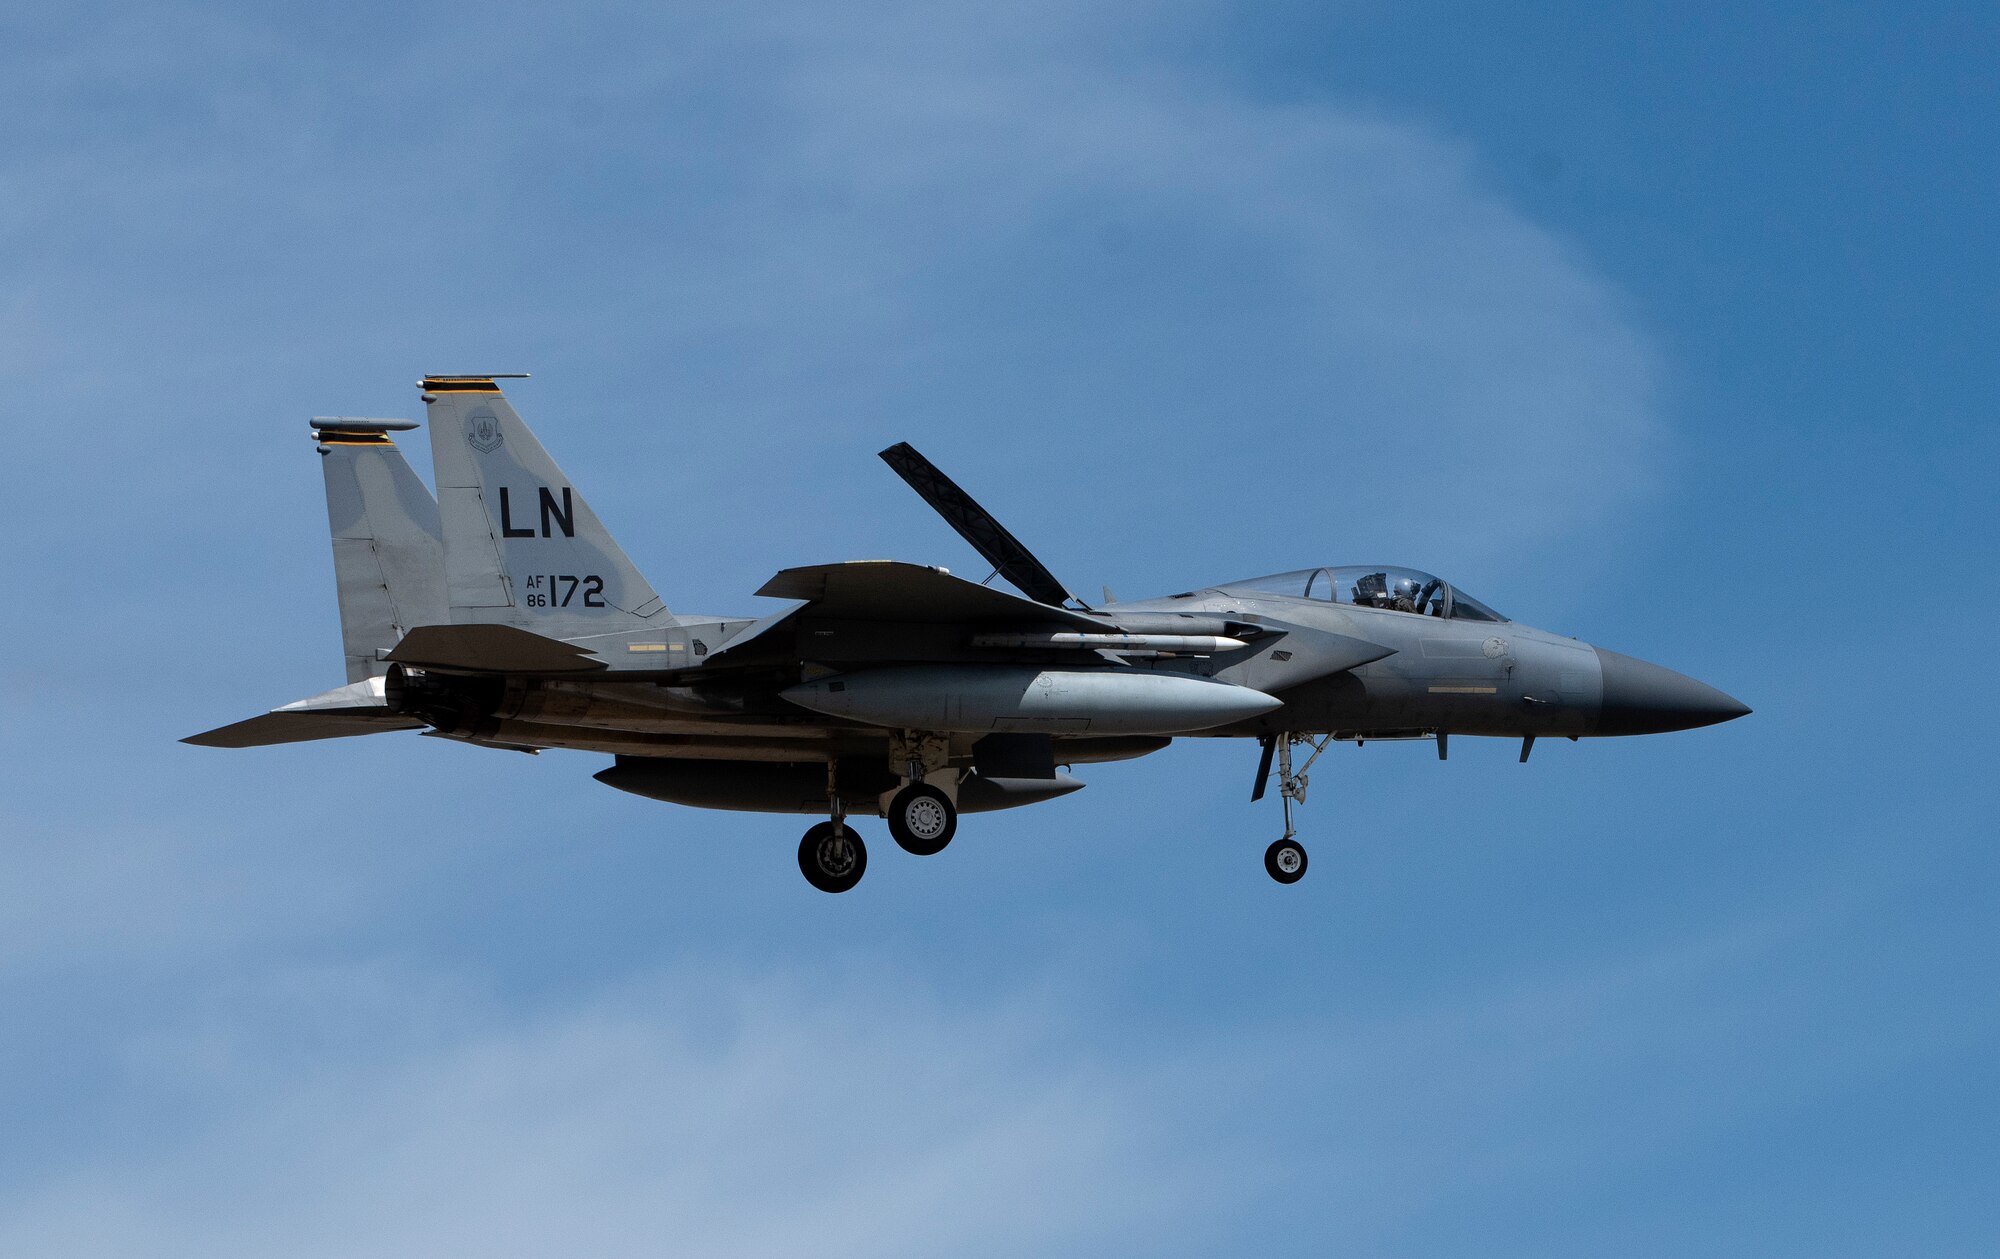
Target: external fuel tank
(975, 699)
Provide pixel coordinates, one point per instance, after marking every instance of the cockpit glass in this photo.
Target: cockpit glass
(1293, 583)
(1466, 608)
(1391, 589)
(1383, 587)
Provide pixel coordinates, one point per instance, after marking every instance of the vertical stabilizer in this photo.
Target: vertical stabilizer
(521, 546)
(388, 552)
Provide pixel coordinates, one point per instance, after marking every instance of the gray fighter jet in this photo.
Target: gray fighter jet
(501, 613)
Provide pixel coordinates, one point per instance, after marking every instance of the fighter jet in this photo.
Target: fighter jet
(502, 614)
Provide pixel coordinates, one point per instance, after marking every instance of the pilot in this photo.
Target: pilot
(1407, 591)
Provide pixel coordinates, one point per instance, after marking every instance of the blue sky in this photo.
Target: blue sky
(1667, 327)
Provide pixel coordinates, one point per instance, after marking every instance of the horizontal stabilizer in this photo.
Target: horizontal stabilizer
(359, 708)
(283, 727)
(489, 649)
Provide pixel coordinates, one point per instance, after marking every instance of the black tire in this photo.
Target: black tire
(1285, 861)
(922, 820)
(831, 866)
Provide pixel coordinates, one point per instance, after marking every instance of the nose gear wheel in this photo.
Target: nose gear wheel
(1285, 861)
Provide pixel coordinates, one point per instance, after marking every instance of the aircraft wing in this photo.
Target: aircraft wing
(899, 603)
(887, 590)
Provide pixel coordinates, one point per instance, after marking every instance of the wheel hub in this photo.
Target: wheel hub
(924, 818)
(835, 856)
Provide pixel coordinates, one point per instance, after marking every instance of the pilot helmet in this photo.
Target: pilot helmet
(1408, 588)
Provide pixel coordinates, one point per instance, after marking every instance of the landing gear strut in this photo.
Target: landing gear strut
(922, 816)
(832, 856)
(1285, 860)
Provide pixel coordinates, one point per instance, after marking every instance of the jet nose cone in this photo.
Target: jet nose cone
(1643, 698)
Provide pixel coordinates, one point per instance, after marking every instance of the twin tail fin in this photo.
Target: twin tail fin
(388, 549)
(521, 546)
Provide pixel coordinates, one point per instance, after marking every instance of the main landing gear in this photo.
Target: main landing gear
(922, 817)
(1285, 859)
(832, 856)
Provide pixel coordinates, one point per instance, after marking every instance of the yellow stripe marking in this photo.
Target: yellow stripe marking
(1465, 690)
(645, 647)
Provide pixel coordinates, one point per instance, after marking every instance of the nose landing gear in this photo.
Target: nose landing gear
(1285, 860)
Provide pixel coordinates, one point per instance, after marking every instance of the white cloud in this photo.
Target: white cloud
(387, 1108)
(718, 1115)
(1112, 266)
(1050, 238)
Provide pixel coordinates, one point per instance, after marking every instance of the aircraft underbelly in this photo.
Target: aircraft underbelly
(623, 707)
(811, 740)
(682, 741)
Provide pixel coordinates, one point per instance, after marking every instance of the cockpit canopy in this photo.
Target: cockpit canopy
(1371, 586)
